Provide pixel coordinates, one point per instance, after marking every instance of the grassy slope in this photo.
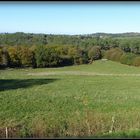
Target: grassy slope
(66, 102)
(97, 66)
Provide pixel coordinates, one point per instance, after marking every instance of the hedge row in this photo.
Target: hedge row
(116, 54)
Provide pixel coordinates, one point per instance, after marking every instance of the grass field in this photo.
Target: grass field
(95, 100)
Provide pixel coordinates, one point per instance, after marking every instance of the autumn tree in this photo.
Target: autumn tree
(14, 56)
(27, 57)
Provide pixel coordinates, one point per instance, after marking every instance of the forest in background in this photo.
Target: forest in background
(47, 50)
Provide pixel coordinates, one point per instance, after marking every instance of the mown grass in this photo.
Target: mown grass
(70, 105)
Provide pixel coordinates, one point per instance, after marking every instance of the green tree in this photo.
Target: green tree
(47, 56)
(78, 55)
(5, 57)
(53, 58)
(40, 56)
(0, 56)
(94, 53)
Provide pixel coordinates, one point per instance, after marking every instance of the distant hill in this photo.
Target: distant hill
(29, 39)
(129, 34)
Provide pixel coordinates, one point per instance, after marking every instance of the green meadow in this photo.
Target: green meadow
(101, 99)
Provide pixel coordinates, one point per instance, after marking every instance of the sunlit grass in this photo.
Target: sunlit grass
(70, 105)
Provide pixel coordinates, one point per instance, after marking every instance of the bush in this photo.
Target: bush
(127, 58)
(136, 61)
(94, 53)
(114, 54)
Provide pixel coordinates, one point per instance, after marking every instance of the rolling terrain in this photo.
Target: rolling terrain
(95, 100)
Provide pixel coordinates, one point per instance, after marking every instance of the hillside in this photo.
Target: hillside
(29, 39)
(99, 66)
(69, 103)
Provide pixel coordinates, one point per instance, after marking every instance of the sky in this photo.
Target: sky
(69, 17)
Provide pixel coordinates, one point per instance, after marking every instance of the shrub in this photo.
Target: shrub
(94, 53)
(113, 54)
(136, 61)
(127, 58)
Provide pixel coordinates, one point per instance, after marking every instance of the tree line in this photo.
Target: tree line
(41, 50)
(47, 56)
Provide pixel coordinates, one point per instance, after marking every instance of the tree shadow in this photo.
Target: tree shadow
(11, 84)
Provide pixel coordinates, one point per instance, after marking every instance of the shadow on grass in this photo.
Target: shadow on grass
(11, 84)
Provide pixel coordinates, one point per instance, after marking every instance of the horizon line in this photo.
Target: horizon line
(67, 33)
